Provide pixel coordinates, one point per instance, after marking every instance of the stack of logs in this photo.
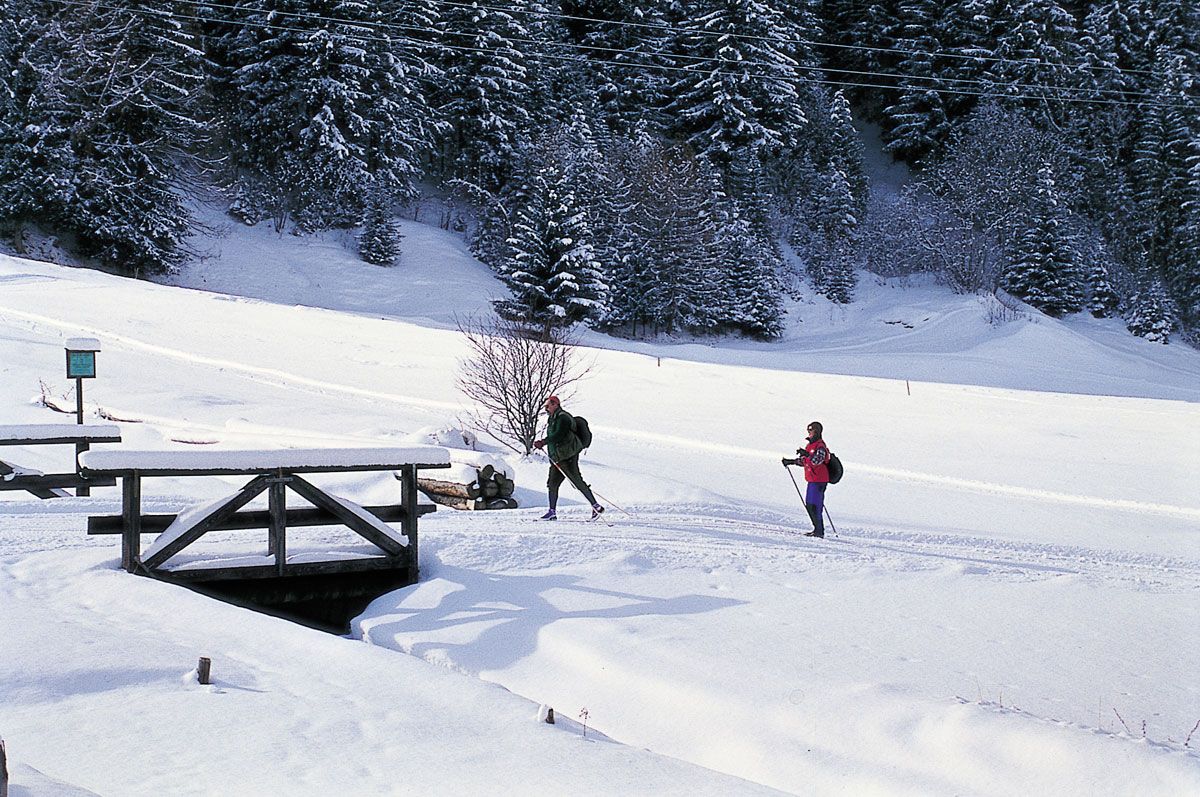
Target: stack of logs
(490, 489)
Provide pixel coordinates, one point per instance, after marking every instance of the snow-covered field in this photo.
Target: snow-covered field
(1009, 606)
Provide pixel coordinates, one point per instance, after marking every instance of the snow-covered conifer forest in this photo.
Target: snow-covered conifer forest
(955, 232)
(665, 166)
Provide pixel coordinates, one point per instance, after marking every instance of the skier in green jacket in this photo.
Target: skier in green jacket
(563, 446)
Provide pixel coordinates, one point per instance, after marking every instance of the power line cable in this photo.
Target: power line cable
(587, 48)
(536, 56)
(812, 42)
(590, 48)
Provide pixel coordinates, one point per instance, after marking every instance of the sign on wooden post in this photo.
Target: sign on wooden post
(81, 358)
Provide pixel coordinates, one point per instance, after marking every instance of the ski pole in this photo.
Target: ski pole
(833, 527)
(795, 484)
(594, 491)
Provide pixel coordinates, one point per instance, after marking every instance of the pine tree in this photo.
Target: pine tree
(36, 161)
(1182, 268)
(1039, 45)
(752, 301)
(1165, 183)
(627, 44)
(867, 31)
(106, 96)
(1104, 300)
(847, 152)
(1042, 270)
(917, 124)
(1150, 315)
(320, 107)
(380, 240)
(554, 278)
(485, 94)
(739, 98)
(670, 273)
(832, 261)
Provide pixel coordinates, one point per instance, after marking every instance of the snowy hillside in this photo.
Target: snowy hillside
(1008, 607)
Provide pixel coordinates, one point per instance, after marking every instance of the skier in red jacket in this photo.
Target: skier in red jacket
(815, 457)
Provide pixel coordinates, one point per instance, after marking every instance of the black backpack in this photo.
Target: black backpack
(583, 431)
(835, 468)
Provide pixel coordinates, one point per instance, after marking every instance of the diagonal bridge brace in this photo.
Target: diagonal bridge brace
(345, 516)
(205, 524)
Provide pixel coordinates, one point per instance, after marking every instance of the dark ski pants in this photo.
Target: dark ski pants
(570, 467)
(814, 502)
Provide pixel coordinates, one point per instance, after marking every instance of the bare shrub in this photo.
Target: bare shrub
(509, 374)
(997, 313)
(916, 231)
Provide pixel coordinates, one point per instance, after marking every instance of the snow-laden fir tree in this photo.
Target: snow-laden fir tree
(1182, 266)
(1039, 59)
(124, 81)
(846, 152)
(916, 124)
(379, 243)
(627, 46)
(321, 106)
(1165, 182)
(738, 98)
(485, 94)
(35, 154)
(833, 253)
(618, 245)
(865, 31)
(1042, 269)
(1149, 314)
(668, 273)
(1103, 300)
(554, 279)
(752, 293)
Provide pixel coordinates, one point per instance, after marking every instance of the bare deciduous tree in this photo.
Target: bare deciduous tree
(509, 374)
(916, 231)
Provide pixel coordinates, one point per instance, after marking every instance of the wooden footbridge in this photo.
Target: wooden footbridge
(323, 591)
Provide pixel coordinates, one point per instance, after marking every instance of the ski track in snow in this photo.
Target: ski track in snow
(703, 537)
(280, 378)
(272, 376)
(706, 540)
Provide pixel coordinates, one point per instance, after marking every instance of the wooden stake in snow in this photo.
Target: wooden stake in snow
(550, 716)
(3, 771)
(203, 670)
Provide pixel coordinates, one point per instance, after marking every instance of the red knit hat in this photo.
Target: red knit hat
(554, 399)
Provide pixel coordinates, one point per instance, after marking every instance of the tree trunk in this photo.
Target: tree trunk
(454, 489)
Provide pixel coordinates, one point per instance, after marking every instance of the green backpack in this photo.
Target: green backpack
(583, 431)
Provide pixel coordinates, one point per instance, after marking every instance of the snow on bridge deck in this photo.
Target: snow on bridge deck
(35, 433)
(294, 460)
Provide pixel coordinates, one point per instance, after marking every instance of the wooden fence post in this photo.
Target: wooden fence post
(131, 512)
(3, 771)
(80, 449)
(277, 509)
(203, 671)
(408, 499)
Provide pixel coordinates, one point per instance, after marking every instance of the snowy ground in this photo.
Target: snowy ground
(1009, 606)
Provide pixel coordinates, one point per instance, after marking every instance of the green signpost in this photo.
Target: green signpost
(81, 365)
